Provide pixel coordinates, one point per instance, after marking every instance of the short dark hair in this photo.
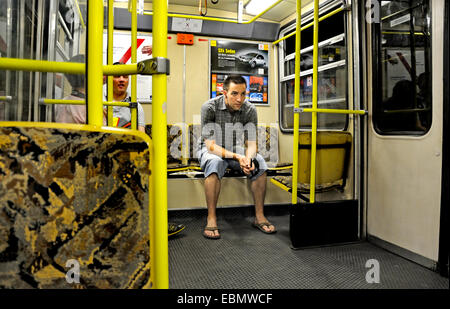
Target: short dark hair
(76, 80)
(235, 79)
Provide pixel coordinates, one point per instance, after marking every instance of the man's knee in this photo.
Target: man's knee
(212, 176)
(214, 165)
(260, 168)
(261, 176)
(261, 162)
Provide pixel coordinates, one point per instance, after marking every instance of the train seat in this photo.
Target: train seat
(332, 159)
(73, 194)
(267, 147)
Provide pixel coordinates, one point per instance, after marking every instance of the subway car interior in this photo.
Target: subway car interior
(112, 178)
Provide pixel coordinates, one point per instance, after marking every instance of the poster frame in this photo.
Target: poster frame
(267, 76)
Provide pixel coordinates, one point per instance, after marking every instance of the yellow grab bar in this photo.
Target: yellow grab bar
(312, 193)
(17, 64)
(296, 103)
(5, 98)
(81, 102)
(79, 14)
(133, 60)
(159, 226)
(309, 25)
(94, 74)
(110, 58)
(333, 111)
(116, 103)
(126, 69)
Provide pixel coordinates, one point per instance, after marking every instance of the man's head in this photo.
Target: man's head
(234, 90)
(76, 80)
(120, 83)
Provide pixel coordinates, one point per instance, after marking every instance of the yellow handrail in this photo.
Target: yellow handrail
(216, 18)
(309, 25)
(403, 32)
(17, 64)
(312, 193)
(296, 103)
(94, 72)
(159, 238)
(110, 57)
(133, 60)
(5, 98)
(79, 14)
(116, 103)
(333, 111)
(82, 102)
(61, 101)
(126, 69)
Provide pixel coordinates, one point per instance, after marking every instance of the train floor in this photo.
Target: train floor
(245, 258)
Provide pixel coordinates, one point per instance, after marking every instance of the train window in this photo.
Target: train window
(332, 82)
(39, 30)
(402, 85)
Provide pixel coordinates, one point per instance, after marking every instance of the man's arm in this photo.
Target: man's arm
(251, 142)
(213, 148)
(252, 149)
(244, 161)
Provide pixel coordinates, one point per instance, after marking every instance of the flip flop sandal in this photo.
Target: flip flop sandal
(211, 228)
(260, 226)
(175, 228)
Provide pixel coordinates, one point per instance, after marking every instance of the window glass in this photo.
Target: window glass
(332, 84)
(332, 88)
(37, 30)
(402, 91)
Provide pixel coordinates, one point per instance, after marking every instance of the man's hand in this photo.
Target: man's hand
(246, 165)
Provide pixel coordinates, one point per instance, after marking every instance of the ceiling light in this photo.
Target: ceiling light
(254, 7)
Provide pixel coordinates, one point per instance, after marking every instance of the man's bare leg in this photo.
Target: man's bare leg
(212, 190)
(258, 187)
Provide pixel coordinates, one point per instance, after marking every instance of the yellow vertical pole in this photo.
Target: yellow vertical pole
(160, 264)
(312, 193)
(110, 57)
(296, 102)
(95, 63)
(133, 60)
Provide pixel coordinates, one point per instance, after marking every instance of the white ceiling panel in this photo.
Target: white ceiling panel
(277, 13)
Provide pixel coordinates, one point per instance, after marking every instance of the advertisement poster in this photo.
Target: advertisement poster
(251, 61)
(122, 53)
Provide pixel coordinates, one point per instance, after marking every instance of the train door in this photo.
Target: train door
(404, 145)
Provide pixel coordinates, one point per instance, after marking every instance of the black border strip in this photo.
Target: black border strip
(443, 257)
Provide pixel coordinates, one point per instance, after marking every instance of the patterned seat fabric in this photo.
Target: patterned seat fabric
(268, 144)
(73, 196)
(194, 135)
(174, 145)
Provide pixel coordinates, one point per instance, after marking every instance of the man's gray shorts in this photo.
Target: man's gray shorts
(211, 163)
